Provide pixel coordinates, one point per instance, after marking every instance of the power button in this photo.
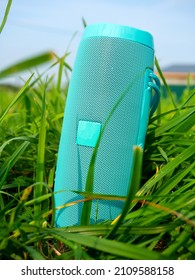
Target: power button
(88, 133)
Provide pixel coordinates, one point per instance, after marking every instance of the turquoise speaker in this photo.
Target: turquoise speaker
(112, 93)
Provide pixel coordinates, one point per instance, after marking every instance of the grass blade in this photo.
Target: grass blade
(38, 190)
(174, 181)
(84, 22)
(35, 255)
(20, 138)
(110, 246)
(100, 230)
(5, 15)
(26, 64)
(9, 163)
(188, 99)
(15, 100)
(62, 64)
(178, 120)
(165, 83)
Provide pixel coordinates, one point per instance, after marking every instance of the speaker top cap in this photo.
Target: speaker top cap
(119, 31)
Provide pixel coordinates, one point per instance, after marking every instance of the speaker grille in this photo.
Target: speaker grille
(104, 69)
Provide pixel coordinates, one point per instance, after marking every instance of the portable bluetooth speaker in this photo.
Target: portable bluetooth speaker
(112, 92)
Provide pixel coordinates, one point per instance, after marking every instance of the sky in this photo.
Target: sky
(36, 26)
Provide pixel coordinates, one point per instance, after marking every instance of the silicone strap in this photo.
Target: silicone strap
(156, 97)
(149, 102)
(154, 77)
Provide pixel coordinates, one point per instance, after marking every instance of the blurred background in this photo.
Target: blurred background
(36, 26)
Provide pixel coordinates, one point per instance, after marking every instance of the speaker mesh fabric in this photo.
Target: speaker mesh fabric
(104, 68)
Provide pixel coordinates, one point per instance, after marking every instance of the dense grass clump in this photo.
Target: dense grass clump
(158, 222)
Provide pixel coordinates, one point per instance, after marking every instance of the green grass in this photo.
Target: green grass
(158, 217)
(158, 220)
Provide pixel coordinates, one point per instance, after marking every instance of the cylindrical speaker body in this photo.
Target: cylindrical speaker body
(109, 80)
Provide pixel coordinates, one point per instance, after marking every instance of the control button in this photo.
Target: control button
(88, 133)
